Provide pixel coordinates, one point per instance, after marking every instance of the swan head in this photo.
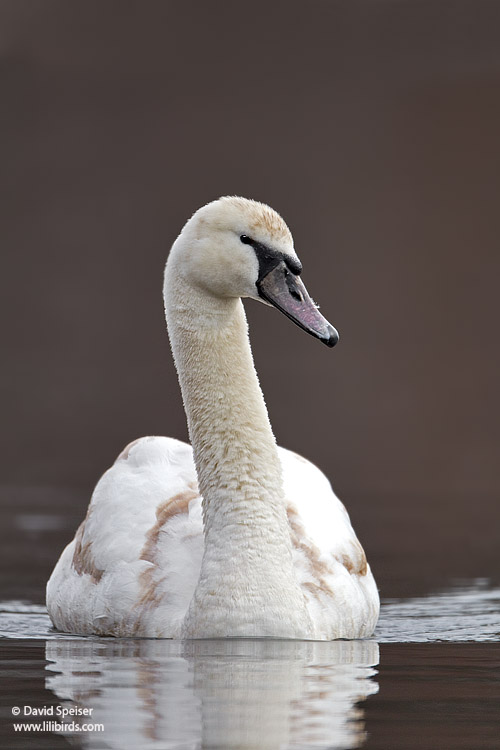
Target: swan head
(236, 247)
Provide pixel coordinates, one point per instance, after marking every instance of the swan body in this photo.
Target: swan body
(232, 537)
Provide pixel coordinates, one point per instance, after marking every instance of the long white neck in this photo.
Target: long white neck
(247, 584)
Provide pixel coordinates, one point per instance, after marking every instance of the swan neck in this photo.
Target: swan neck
(233, 444)
(247, 585)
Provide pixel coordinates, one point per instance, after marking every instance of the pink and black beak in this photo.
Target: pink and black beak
(282, 287)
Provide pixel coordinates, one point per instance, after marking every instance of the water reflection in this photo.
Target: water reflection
(247, 694)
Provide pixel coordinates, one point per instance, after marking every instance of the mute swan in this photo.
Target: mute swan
(234, 536)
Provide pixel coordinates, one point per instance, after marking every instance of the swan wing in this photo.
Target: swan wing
(134, 562)
(329, 561)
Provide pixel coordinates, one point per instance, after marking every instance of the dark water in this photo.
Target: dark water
(429, 678)
(263, 693)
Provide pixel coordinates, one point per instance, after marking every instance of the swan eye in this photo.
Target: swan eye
(246, 240)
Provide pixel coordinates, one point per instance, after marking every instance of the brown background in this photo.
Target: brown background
(374, 128)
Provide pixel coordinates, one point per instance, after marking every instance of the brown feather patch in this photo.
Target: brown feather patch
(318, 569)
(355, 564)
(83, 560)
(150, 584)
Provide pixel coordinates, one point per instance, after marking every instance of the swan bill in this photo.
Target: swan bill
(286, 291)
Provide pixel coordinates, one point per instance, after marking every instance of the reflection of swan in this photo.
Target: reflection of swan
(276, 555)
(247, 694)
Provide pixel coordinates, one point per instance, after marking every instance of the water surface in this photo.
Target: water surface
(430, 677)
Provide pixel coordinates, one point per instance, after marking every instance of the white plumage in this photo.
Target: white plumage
(270, 550)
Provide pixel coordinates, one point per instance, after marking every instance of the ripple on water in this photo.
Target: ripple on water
(465, 612)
